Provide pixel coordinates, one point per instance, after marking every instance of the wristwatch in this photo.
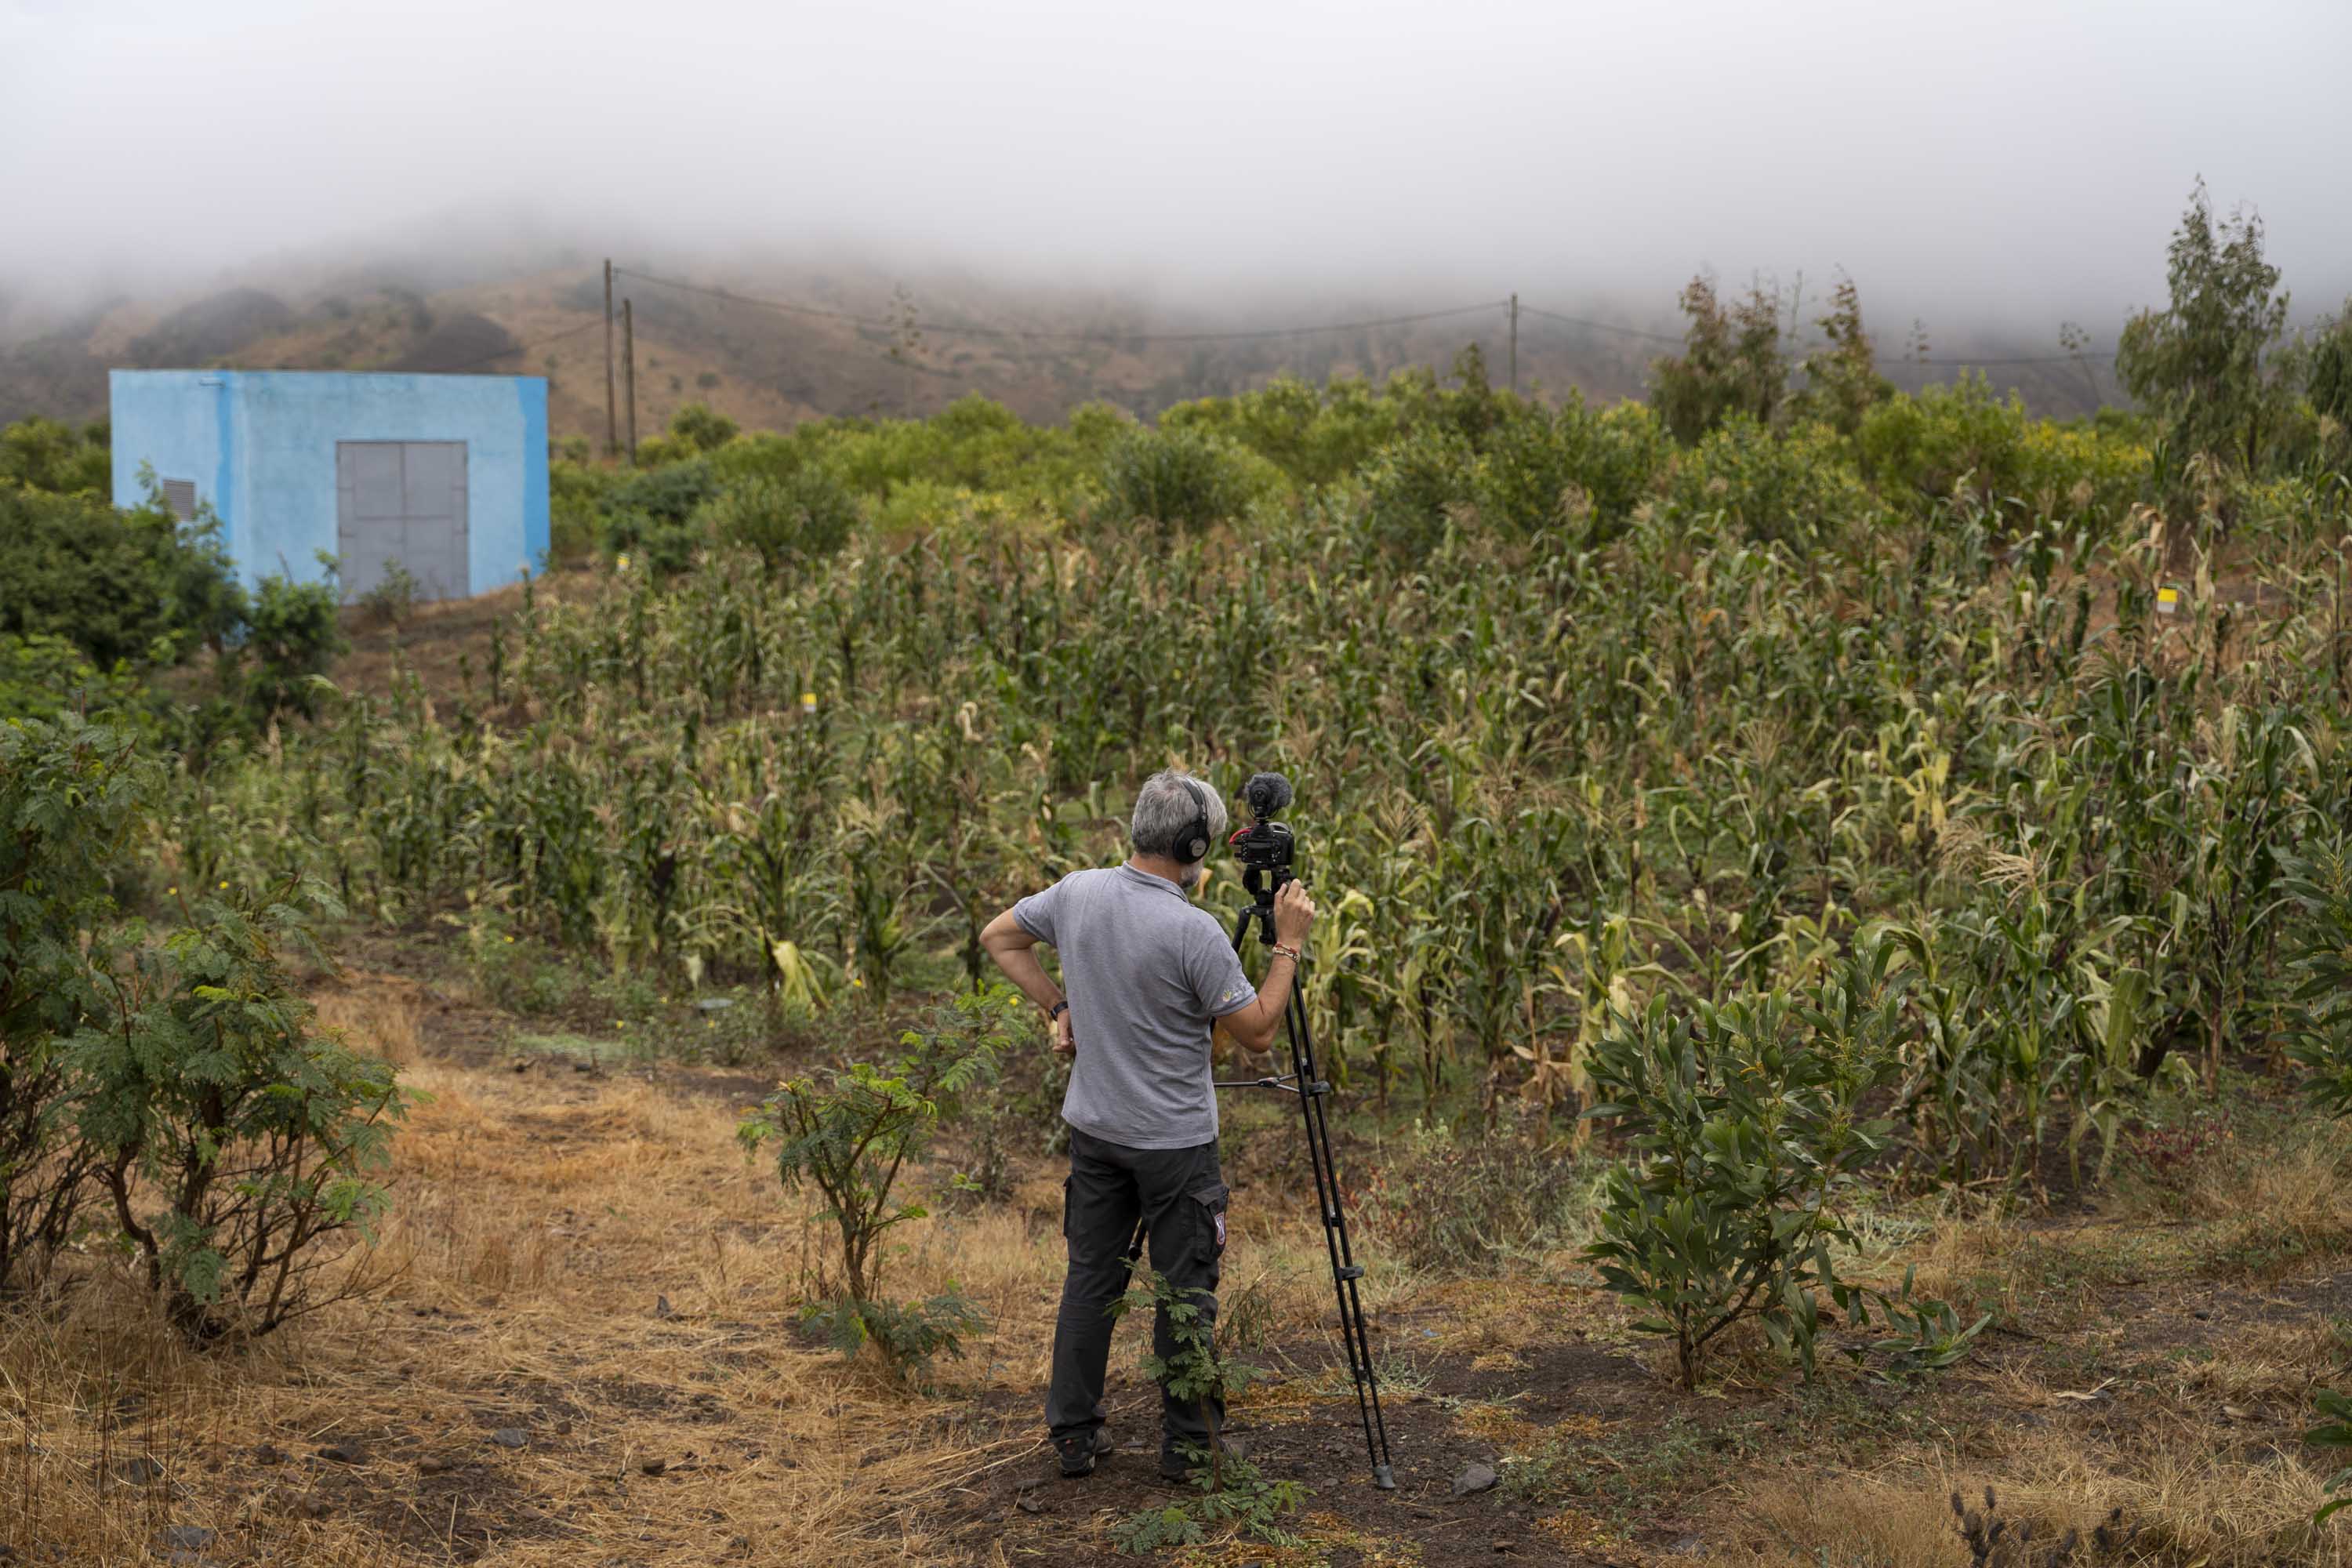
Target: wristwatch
(1057, 1009)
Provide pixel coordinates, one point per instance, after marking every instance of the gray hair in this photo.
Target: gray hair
(1165, 809)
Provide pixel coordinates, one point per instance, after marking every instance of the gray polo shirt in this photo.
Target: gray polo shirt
(1146, 969)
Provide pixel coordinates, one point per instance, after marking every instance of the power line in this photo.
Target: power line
(1602, 326)
(1093, 337)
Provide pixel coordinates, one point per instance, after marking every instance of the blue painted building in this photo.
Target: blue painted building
(446, 474)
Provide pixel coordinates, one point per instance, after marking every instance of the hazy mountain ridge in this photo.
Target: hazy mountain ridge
(765, 367)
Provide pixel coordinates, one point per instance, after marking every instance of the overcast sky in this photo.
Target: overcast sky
(1963, 160)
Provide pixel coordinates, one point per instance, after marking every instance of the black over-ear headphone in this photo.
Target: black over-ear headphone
(1195, 842)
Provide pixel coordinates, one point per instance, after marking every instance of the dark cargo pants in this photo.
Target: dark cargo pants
(1178, 1195)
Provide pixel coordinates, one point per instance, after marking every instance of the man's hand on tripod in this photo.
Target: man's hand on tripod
(1294, 914)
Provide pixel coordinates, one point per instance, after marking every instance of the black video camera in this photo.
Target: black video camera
(1266, 846)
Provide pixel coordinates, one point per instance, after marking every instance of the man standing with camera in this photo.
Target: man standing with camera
(1150, 975)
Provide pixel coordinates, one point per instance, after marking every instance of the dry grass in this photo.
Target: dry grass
(531, 1242)
(379, 1015)
(2196, 1496)
(594, 1263)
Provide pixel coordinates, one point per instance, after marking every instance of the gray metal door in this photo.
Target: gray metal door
(404, 501)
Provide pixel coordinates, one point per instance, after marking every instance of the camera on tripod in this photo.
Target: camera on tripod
(1266, 846)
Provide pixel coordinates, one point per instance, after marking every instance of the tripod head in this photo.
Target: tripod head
(1264, 848)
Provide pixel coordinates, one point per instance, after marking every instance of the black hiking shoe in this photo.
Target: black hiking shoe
(1079, 1450)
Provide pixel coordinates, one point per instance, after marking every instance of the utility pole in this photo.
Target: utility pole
(629, 370)
(612, 424)
(1514, 344)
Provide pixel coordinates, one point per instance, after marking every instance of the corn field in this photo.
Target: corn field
(1543, 772)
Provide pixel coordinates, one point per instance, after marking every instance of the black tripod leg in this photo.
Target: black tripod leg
(1345, 1274)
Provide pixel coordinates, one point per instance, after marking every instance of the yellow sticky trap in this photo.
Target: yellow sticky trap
(2168, 601)
(808, 701)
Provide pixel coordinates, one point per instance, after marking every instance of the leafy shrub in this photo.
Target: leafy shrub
(235, 1138)
(1794, 489)
(1177, 477)
(390, 600)
(699, 429)
(852, 1135)
(45, 455)
(1414, 486)
(1231, 1490)
(132, 586)
(1573, 469)
(802, 517)
(575, 500)
(293, 636)
(70, 798)
(1747, 1125)
(1731, 366)
(42, 676)
(650, 513)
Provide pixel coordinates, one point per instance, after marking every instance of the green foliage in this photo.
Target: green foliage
(46, 455)
(1177, 477)
(2335, 1432)
(1574, 469)
(1945, 439)
(2320, 964)
(179, 1075)
(802, 517)
(2203, 363)
(132, 586)
(1747, 1126)
(1841, 382)
(42, 676)
(71, 797)
(390, 602)
(1234, 1497)
(293, 635)
(237, 1140)
(1416, 486)
(1731, 364)
(698, 429)
(853, 1135)
(1790, 489)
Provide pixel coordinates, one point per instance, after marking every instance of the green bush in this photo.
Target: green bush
(1416, 486)
(179, 1075)
(71, 799)
(1576, 469)
(650, 515)
(132, 586)
(1747, 1126)
(852, 1133)
(45, 455)
(699, 429)
(42, 676)
(1179, 477)
(1794, 489)
(293, 635)
(802, 517)
(1964, 439)
(237, 1141)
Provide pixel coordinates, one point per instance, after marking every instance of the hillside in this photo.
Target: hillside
(770, 368)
